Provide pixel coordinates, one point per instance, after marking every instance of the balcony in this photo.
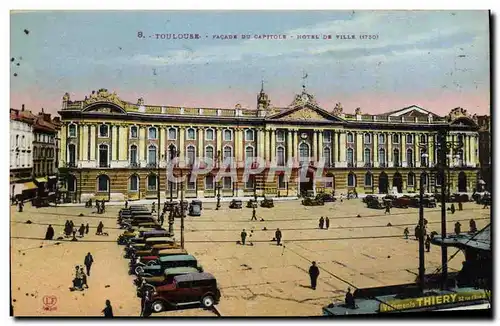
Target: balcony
(134, 165)
(382, 165)
(368, 165)
(102, 165)
(351, 164)
(152, 165)
(70, 165)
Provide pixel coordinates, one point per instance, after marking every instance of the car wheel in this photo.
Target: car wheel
(157, 306)
(139, 270)
(207, 301)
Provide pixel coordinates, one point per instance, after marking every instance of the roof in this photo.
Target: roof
(481, 240)
(194, 277)
(165, 259)
(181, 270)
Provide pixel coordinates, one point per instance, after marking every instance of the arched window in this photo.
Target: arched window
(280, 156)
(423, 139)
(228, 154)
(152, 155)
(368, 179)
(172, 133)
(395, 139)
(409, 139)
(71, 154)
(424, 157)
(368, 138)
(280, 136)
(367, 156)
(133, 132)
(304, 152)
(381, 157)
(351, 180)
(172, 151)
(327, 156)
(103, 131)
(209, 153)
(133, 154)
(396, 157)
(134, 183)
(249, 153)
(191, 182)
(411, 179)
(72, 130)
(152, 180)
(17, 140)
(409, 157)
(249, 184)
(191, 134)
(35, 152)
(281, 182)
(209, 134)
(381, 138)
(227, 183)
(23, 143)
(350, 156)
(228, 135)
(152, 133)
(350, 137)
(191, 155)
(249, 135)
(209, 182)
(103, 156)
(103, 183)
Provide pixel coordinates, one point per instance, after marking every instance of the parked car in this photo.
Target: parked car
(150, 243)
(376, 203)
(167, 277)
(236, 204)
(455, 198)
(158, 267)
(197, 202)
(195, 288)
(402, 202)
(267, 203)
(326, 198)
(368, 198)
(152, 259)
(194, 210)
(312, 202)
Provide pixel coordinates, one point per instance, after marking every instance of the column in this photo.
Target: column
(430, 151)
(388, 137)
(342, 147)
(64, 136)
(467, 150)
(80, 143)
(85, 143)
(219, 141)
(295, 143)
(163, 144)
(359, 148)
(181, 144)
(314, 153)
(375, 150)
(260, 143)
(417, 150)
(473, 157)
(320, 145)
(141, 151)
(403, 150)
(288, 146)
(334, 147)
(451, 161)
(201, 135)
(266, 144)
(273, 144)
(114, 142)
(93, 143)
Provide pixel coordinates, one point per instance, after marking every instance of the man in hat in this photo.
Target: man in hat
(457, 228)
(428, 243)
(81, 230)
(349, 299)
(88, 261)
(49, 235)
(313, 274)
(278, 235)
(243, 236)
(321, 222)
(327, 222)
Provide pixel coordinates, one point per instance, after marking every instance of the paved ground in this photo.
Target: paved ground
(258, 280)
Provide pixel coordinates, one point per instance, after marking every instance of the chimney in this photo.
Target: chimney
(22, 107)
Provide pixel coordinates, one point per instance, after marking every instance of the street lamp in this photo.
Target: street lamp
(421, 224)
(218, 186)
(172, 154)
(254, 216)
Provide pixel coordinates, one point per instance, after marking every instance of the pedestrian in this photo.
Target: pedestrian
(77, 281)
(81, 230)
(349, 299)
(84, 278)
(313, 274)
(21, 205)
(457, 228)
(99, 228)
(97, 205)
(88, 261)
(460, 206)
(90, 202)
(417, 231)
(321, 222)
(452, 209)
(126, 204)
(243, 236)
(71, 224)
(472, 225)
(327, 222)
(356, 193)
(153, 208)
(428, 243)
(66, 228)
(49, 235)
(277, 235)
(485, 201)
(74, 235)
(162, 218)
(387, 208)
(406, 233)
(108, 310)
(87, 229)
(103, 206)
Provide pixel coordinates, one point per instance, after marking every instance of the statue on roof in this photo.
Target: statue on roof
(66, 97)
(456, 113)
(358, 111)
(140, 101)
(338, 110)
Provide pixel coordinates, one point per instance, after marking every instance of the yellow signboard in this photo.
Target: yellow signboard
(422, 302)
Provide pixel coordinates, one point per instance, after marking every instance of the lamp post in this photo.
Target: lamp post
(421, 225)
(218, 186)
(254, 213)
(172, 155)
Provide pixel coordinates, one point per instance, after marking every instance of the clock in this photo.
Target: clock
(303, 135)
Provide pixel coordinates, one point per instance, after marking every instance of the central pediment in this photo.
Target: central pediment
(306, 112)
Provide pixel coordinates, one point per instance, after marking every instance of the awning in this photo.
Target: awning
(52, 177)
(29, 186)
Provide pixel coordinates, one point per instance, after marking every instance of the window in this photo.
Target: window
(103, 183)
(439, 178)
(350, 156)
(209, 134)
(71, 183)
(209, 182)
(280, 136)
(249, 154)
(228, 153)
(172, 151)
(423, 139)
(191, 155)
(327, 155)
(191, 134)
(103, 156)
(72, 130)
(209, 153)
(381, 156)
(460, 156)
(351, 180)
(409, 139)
(368, 179)
(152, 133)
(134, 183)
(228, 135)
(328, 182)
(152, 155)
(172, 134)
(396, 157)
(133, 154)
(35, 151)
(381, 139)
(281, 182)
(133, 132)
(395, 139)
(249, 184)
(423, 157)
(71, 154)
(191, 183)
(409, 157)
(103, 131)
(368, 139)
(17, 140)
(304, 152)
(368, 158)
(227, 183)
(249, 135)
(152, 182)
(280, 156)
(411, 179)
(350, 137)
(327, 137)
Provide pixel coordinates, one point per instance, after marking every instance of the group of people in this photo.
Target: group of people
(80, 280)
(277, 236)
(101, 208)
(324, 222)
(69, 228)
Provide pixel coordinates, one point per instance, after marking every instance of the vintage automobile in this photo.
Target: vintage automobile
(141, 238)
(136, 221)
(164, 262)
(236, 204)
(267, 203)
(312, 202)
(326, 198)
(151, 259)
(153, 251)
(129, 234)
(197, 202)
(429, 201)
(149, 244)
(252, 203)
(193, 288)
(403, 202)
(194, 209)
(376, 203)
(167, 277)
(455, 198)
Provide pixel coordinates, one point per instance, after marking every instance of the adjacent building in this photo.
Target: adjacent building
(485, 153)
(115, 149)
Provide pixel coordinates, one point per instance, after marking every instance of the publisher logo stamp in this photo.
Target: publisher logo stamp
(49, 302)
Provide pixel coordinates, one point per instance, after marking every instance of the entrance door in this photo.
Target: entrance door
(383, 183)
(398, 182)
(306, 182)
(462, 182)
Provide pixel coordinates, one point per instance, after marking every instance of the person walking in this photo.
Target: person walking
(327, 222)
(428, 243)
(321, 222)
(457, 228)
(21, 205)
(81, 230)
(313, 274)
(74, 235)
(153, 208)
(472, 226)
(87, 229)
(71, 224)
(349, 299)
(417, 231)
(243, 236)
(84, 278)
(387, 208)
(278, 235)
(126, 204)
(108, 310)
(99, 228)
(452, 209)
(406, 233)
(162, 218)
(49, 235)
(460, 206)
(88, 261)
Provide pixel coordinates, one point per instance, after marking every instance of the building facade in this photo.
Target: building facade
(484, 123)
(21, 150)
(117, 150)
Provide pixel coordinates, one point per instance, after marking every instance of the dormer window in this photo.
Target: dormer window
(103, 131)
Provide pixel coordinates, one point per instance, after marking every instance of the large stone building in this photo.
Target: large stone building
(114, 149)
(484, 123)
